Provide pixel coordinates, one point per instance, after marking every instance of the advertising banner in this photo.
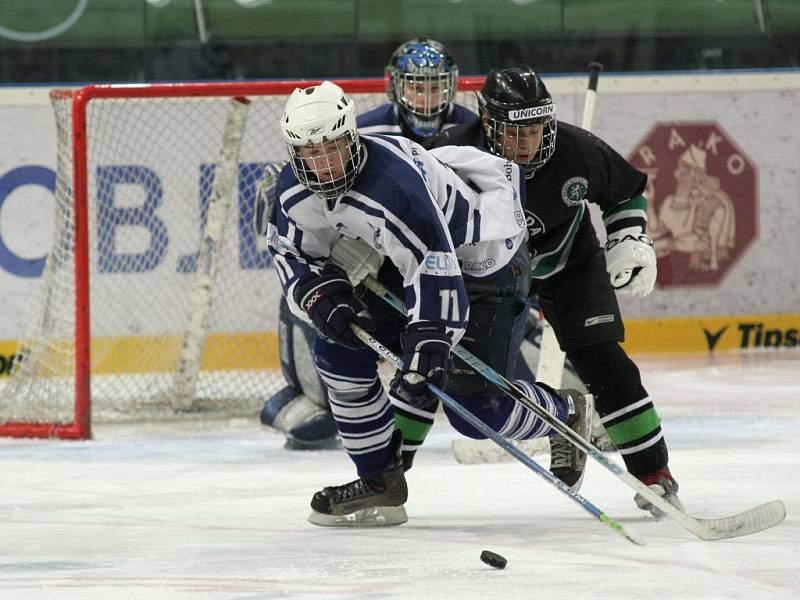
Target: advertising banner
(720, 153)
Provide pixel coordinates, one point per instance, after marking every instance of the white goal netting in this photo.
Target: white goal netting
(182, 309)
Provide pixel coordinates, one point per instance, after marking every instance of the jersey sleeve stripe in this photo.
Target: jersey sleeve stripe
(476, 224)
(293, 196)
(458, 215)
(403, 226)
(638, 225)
(635, 203)
(403, 235)
(295, 234)
(283, 268)
(625, 214)
(380, 129)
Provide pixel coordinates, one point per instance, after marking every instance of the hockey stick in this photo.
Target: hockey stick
(751, 521)
(550, 369)
(616, 527)
(591, 95)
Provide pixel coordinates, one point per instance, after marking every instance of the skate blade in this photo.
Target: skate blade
(374, 516)
(655, 512)
(329, 443)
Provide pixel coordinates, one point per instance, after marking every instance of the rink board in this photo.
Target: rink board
(702, 334)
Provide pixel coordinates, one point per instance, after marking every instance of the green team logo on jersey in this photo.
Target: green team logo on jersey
(574, 190)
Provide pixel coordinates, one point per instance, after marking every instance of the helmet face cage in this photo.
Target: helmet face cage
(423, 79)
(513, 140)
(519, 116)
(328, 168)
(425, 95)
(321, 136)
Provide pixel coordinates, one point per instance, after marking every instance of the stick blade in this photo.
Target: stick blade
(750, 521)
(629, 534)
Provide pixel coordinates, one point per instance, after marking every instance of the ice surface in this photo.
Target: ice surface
(218, 510)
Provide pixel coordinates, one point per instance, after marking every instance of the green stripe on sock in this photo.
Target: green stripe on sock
(636, 427)
(413, 430)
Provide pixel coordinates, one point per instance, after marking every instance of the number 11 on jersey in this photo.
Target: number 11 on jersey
(449, 305)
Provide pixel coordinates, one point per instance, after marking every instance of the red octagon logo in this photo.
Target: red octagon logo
(702, 192)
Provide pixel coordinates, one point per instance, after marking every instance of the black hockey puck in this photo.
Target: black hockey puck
(493, 559)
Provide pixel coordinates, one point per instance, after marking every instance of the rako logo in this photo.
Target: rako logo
(703, 201)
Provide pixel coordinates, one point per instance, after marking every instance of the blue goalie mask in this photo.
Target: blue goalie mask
(422, 84)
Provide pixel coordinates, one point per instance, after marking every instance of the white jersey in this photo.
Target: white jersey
(494, 191)
(432, 214)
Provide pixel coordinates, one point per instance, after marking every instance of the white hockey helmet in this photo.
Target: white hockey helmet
(321, 137)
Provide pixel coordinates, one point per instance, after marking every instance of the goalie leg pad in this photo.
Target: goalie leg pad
(358, 259)
(296, 342)
(300, 409)
(307, 426)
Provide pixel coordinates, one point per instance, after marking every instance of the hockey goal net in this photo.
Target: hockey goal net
(157, 299)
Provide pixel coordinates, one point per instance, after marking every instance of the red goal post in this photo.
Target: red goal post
(157, 300)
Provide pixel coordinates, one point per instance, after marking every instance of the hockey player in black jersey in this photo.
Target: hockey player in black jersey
(422, 80)
(576, 281)
(424, 213)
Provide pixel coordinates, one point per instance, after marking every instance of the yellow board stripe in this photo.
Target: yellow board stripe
(259, 350)
(704, 334)
(146, 354)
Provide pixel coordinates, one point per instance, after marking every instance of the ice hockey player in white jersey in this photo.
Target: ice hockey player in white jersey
(422, 77)
(432, 228)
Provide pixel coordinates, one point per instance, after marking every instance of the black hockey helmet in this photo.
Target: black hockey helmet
(512, 99)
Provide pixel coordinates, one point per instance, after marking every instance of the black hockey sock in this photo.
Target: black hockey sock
(635, 428)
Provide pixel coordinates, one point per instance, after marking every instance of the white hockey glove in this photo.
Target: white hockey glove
(357, 258)
(631, 263)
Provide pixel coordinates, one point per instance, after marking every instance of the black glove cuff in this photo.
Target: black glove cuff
(427, 330)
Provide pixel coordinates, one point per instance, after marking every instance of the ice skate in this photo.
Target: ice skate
(663, 484)
(365, 502)
(566, 461)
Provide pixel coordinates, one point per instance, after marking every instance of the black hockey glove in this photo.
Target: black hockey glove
(426, 357)
(330, 303)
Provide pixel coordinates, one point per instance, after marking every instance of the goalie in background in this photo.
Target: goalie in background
(574, 279)
(421, 84)
(422, 212)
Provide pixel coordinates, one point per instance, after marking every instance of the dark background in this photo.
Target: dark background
(166, 40)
